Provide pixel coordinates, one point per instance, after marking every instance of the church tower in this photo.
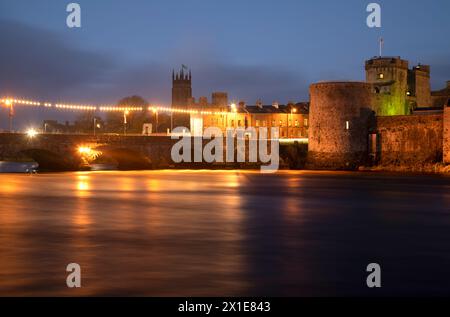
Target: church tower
(181, 88)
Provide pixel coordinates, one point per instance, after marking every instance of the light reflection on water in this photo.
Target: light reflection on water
(193, 233)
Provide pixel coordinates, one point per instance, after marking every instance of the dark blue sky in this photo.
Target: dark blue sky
(253, 49)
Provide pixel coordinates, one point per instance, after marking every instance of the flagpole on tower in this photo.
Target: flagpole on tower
(381, 41)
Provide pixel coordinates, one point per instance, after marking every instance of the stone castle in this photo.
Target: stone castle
(391, 119)
(399, 90)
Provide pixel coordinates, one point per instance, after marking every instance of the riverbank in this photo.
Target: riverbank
(437, 168)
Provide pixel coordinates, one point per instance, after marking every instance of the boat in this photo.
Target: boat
(18, 167)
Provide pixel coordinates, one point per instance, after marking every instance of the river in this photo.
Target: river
(224, 233)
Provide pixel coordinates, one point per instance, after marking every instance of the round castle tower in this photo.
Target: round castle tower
(339, 118)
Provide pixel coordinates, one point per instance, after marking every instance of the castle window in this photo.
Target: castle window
(305, 122)
(347, 125)
(380, 76)
(257, 123)
(281, 123)
(377, 90)
(264, 123)
(297, 123)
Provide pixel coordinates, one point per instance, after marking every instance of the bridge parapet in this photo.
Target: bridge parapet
(66, 147)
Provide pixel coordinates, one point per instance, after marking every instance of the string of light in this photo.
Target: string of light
(105, 108)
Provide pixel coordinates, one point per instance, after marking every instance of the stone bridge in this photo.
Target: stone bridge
(67, 152)
(74, 152)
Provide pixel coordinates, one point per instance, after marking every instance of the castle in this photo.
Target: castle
(398, 90)
(391, 119)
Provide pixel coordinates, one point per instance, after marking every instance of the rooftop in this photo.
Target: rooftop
(301, 108)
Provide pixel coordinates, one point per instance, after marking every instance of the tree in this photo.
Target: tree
(85, 122)
(135, 119)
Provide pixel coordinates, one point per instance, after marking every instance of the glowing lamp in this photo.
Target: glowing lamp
(31, 133)
(84, 150)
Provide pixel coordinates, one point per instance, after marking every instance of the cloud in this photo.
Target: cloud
(253, 82)
(38, 62)
(249, 83)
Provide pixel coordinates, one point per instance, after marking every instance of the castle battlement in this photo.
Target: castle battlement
(387, 62)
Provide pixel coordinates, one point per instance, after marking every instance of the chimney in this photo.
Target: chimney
(203, 101)
(259, 103)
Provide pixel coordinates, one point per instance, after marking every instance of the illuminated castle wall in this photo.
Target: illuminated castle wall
(339, 116)
(398, 90)
(406, 124)
(389, 79)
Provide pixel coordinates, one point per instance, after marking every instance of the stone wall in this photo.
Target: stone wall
(339, 120)
(409, 140)
(446, 146)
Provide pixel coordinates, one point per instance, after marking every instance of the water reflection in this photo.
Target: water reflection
(194, 233)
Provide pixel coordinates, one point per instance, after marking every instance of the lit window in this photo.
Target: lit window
(305, 122)
(297, 123)
(347, 125)
(380, 75)
(257, 123)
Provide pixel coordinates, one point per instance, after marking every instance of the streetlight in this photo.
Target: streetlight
(31, 133)
(171, 120)
(155, 111)
(9, 103)
(125, 114)
(96, 125)
(234, 110)
(293, 110)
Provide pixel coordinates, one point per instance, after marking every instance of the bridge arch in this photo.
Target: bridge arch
(124, 158)
(51, 161)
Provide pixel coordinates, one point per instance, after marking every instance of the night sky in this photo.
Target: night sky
(264, 49)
